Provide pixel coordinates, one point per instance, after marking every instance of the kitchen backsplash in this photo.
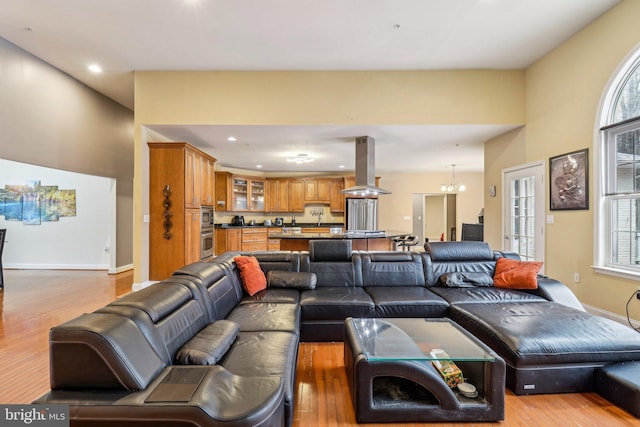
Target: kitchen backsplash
(310, 216)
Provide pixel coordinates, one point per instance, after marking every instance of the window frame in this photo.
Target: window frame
(603, 236)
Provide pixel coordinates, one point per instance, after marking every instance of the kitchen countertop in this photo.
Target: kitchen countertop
(305, 225)
(383, 234)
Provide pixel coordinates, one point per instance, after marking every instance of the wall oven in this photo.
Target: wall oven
(206, 232)
(206, 244)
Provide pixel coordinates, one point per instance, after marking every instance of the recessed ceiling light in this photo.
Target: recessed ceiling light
(259, 166)
(232, 139)
(341, 166)
(95, 68)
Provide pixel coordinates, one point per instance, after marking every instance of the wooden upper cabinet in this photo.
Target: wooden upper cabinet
(223, 191)
(337, 198)
(193, 182)
(296, 195)
(238, 193)
(208, 182)
(277, 195)
(317, 190)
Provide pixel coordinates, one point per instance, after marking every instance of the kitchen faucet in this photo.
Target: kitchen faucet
(318, 213)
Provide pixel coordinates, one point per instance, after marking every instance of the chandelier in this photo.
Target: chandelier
(453, 186)
(300, 159)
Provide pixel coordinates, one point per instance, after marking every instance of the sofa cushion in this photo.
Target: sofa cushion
(481, 294)
(515, 274)
(456, 257)
(291, 279)
(266, 316)
(546, 333)
(266, 354)
(253, 278)
(459, 251)
(336, 303)
(208, 345)
(330, 250)
(407, 301)
(392, 269)
(291, 296)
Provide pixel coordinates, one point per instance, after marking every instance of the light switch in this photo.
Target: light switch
(146, 218)
(550, 219)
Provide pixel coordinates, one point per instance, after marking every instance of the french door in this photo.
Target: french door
(523, 200)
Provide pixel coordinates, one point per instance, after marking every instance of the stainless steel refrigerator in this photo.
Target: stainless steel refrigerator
(362, 214)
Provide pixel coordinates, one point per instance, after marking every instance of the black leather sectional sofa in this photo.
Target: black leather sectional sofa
(196, 350)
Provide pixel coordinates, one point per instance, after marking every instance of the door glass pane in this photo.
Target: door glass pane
(522, 237)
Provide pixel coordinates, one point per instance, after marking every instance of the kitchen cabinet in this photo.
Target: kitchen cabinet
(317, 190)
(239, 194)
(315, 230)
(227, 240)
(284, 195)
(273, 244)
(207, 172)
(337, 201)
(254, 239)
(296, 195)
(192, 236)
(277, 195)
(174, 229)
(193, 184)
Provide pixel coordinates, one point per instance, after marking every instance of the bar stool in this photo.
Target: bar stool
(405, 242)
(397, 241)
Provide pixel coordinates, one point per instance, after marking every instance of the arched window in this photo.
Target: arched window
(618, 238)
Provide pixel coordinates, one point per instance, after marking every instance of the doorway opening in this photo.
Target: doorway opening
(434, 217)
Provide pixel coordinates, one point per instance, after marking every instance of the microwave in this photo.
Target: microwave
(206, 217)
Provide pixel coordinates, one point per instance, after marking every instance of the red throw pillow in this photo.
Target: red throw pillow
(514, 274)
(253, 278)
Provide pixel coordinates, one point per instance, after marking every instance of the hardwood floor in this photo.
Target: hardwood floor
(33, 301)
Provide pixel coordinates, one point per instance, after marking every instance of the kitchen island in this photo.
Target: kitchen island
(361, 240)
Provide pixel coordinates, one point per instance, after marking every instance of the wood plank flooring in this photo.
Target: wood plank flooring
(35, 300)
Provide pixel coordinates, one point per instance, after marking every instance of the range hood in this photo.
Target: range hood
(365, 169)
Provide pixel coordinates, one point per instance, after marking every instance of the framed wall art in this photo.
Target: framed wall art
(569, 181)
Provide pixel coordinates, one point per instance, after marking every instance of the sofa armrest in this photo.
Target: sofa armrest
(553, 290)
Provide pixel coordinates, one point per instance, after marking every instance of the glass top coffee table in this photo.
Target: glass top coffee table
(421, 370)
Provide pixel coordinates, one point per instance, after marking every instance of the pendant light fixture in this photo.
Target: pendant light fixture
(453, 187)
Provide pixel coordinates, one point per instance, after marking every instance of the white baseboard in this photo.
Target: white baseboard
(56, 266)
(612, 316)
(138, 286)
(121, 269)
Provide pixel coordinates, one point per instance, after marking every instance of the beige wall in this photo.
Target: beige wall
(50, 119)
(394, 207)
(563, 95)
(337, 98)
(500, 153)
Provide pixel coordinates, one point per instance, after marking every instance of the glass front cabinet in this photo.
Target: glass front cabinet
(247, 194)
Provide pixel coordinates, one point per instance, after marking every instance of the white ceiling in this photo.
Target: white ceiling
(127, 35)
